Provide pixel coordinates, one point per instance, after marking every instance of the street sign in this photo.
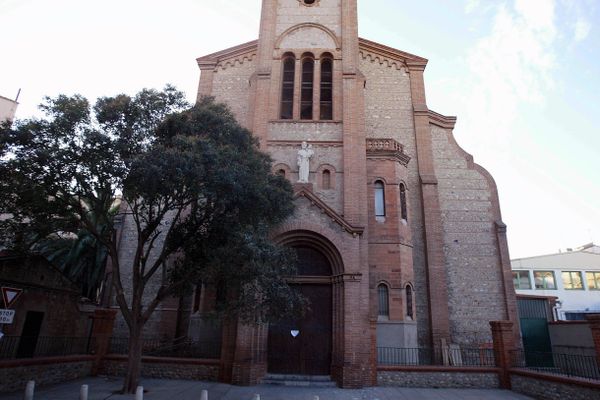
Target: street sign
(6, 316)
(10, 295)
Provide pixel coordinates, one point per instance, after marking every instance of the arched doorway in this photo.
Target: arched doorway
(304, 346)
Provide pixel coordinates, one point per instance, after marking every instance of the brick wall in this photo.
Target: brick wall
(475, 281)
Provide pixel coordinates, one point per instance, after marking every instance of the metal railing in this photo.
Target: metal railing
(178, 348)
(14, 347)
(571, 365)
(451, 357)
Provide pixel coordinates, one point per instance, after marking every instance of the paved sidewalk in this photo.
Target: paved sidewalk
(158, 389)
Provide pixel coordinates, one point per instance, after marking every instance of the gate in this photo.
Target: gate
(534, 315)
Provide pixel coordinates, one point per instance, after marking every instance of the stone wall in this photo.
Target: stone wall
(14, 375)
(554, 388)
(164, 368)
(231, 85)
(292, 12)
(389, 114)
(442, 378)
(475, 280)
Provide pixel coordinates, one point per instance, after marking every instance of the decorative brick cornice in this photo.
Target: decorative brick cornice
(441, 120)
(367, 49)
(399, 57)
(304, 191)
(243, 52)
(387, 149)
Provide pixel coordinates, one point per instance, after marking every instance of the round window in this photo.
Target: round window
(309, 2)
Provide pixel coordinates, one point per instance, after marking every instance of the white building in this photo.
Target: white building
(8, 108)
(572, 276)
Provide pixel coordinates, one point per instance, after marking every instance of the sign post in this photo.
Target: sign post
(10, 295)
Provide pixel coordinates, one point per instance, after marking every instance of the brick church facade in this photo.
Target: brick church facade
(398, 231)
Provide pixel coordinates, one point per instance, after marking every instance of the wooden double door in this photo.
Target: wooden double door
(304, 346)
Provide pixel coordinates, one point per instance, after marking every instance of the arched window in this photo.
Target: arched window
(306, 94)
(403, 209)
(326, 103)
(384, 302)
(379, 199)
(287, 88)
(281, 172)
(409, 302)
(326, 179)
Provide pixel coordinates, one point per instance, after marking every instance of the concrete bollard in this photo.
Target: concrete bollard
(204, 395)
(83, 393)
(30, 390)
(139, 393)
(316, 398)
(256, 397)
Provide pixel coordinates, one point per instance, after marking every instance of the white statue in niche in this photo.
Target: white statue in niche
(304, 156)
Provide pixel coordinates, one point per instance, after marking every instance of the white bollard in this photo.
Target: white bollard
(139, 393)
(29, 390)
(256, 397)
(316, 398)
(204, 395)
(83, 393)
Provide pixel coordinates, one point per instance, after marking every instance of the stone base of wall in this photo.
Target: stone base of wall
(549, 387)
(165, 368)
(14, 374)
(438, 377)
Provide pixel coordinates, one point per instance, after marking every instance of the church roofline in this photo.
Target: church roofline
(411, 60)
(231, 52)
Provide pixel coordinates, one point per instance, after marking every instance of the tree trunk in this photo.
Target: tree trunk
(134, 362)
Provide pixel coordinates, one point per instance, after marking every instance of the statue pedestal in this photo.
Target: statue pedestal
(306, 186)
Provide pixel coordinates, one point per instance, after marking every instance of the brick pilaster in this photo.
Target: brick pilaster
(594, 321)
(437, 281)
(502, 335)
(104, 320)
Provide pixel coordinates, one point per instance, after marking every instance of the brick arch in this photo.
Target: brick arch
(322, 28)
(311, 237)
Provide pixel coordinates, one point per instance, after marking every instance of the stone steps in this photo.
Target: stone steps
(320, 381)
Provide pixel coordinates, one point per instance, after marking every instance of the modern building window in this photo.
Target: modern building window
(326, 179)
(572, 280)
(326, 103)
(287, 88)
(544, 280)
(379, 199)
(409, 302)
(306, 94)
(593, 280)
(384, 305)
(521, 279)
(403, 209)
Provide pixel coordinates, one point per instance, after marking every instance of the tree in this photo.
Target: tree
(193, 182)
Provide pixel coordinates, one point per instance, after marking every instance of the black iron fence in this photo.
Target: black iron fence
(178, 348)
(13, 347)
(571, 365)
(454, 356)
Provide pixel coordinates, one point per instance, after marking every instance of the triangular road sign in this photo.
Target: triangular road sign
(10, 295)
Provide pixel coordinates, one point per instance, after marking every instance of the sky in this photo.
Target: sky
(522, 76)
